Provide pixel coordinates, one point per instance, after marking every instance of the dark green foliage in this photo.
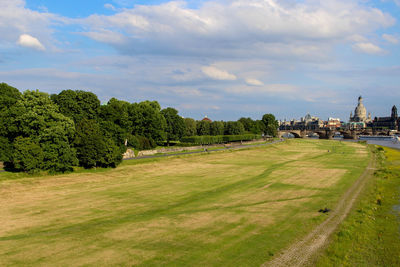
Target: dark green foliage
(93, 148)
(234, 128)
(217, 128)
(175, 126)
(190, 127)
(27, 156)
(219, 139)
(203, 127)
(37, 118)
(5, 149)
(77, 104)
(271, 124)
(251, 126)
(8, 96)
(147, 120)
(116, 111)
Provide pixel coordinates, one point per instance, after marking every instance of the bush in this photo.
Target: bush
(218, 139)
(28, 155)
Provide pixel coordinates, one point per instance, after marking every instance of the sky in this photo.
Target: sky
(220, 58)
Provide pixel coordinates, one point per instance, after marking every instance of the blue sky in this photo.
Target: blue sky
(225, 59)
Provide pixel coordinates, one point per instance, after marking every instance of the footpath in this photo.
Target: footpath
(303, 252)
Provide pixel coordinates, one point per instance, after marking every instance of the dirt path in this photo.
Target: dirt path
(304, 251)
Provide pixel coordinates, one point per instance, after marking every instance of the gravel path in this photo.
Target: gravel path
(303, 252)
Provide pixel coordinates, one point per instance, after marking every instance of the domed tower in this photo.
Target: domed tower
(360, 113)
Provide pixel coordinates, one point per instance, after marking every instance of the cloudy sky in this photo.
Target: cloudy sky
(225, 59)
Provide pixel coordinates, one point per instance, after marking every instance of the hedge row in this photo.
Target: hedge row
(218, 139)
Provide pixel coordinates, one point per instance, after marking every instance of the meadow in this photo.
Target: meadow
(231, 208)
(370, 235)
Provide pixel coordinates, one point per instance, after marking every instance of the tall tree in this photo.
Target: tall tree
(217, 128)
(234, 128)
(203, 127)
(93, 148)
(270, 123)
(77, 104)
(175, 125)
(190, 127)
(147, 120)
(37, 118)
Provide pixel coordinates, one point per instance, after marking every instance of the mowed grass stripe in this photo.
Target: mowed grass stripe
(231, 207)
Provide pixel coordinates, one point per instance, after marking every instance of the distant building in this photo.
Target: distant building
(391, 122)
(360, 119)
(333, 123)
(206, 119)
(307, 122)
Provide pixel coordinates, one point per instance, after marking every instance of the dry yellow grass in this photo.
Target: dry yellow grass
(220, 208)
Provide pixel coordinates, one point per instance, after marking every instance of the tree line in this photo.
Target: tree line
(56, 132)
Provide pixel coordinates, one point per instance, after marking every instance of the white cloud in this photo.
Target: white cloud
(27, 40)
(239, 28)
(109, 6)
(254, 82)
(16, 20)
(390, 38)
(368, 48)
(217, 74)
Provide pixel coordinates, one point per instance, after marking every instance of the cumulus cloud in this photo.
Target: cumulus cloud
(218, 74)
(16, 20)
(27, 40)
(254, 82)
(390, 38)
(109, 6)
(237, 28)
(368, 48)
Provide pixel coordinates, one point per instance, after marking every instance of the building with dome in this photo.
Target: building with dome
(360, 113)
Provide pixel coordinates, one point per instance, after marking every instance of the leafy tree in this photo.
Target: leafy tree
(77, 104)
(190, 127)
(175, 125)
(28, 155)
(5, 149)
(93, 148)
(117, 111)
(217, 128)
(203, 127)
(234, 128)
(8, 96)
(248, 123)
(36, 117)
(270, 123)
(147, 120)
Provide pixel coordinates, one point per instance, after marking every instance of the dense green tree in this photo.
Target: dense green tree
(217, 128)
(36, 117)
(5, 149)
(190, 127)
(93, 148)
(234, 128)
(27, 155)
(77, 104)
(270, 123)
(117, 111)
(147, 120)
(8, 96)
(203, 127)
(175, 125)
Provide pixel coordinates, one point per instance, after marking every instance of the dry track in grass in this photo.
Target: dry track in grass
(304, 251)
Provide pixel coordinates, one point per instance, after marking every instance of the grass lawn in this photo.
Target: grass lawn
(230, 208)
(370, 236)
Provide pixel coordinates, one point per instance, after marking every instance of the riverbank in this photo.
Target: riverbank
(370, 234)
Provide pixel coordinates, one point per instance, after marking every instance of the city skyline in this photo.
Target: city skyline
(224, 59)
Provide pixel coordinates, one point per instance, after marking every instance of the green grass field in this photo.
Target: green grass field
(231, 208)
(370, 235)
